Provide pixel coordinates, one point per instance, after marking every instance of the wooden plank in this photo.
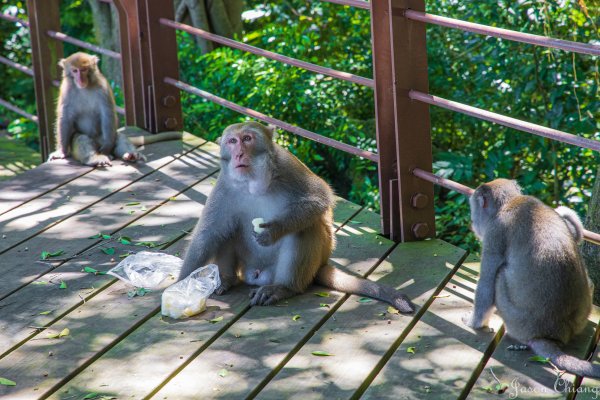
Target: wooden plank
(109, 215)
(527, 379)
(446, 352)
(589, 388)
(359, 335)
(24, 222)
(96, 324)
(168, 344)
(263, 340)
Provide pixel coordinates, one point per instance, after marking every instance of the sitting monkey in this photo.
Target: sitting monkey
(86, 121)
(260, 179)
(531, 271)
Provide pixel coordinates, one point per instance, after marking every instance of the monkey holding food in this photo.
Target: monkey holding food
(269, 221)
(531, 271)
(86, 121)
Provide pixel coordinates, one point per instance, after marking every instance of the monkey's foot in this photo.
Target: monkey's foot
(99, 160)
(472, 322)
(57, 155)
(269, 294)
(517, 347)
(133, 157)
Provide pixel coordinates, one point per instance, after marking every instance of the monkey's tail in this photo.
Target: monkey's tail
(158, 137)
(548, 348)
(339, 280)
(573, 222)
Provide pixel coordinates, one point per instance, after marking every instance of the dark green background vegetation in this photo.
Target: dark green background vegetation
(549, 87)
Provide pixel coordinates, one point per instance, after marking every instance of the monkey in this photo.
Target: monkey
(531, 271)
(86, 121)
(260, 179)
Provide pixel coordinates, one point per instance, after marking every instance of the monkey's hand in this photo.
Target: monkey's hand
(57, 155)
(269, 234)
(471, 321)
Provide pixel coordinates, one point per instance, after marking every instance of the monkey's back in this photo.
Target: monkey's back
(542, 291)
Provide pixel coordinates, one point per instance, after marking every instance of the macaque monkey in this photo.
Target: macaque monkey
(531, 271)
(86, 121)
(291, 247)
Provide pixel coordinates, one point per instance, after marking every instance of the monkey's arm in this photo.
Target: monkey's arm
(492, 259)
(64, 134)
(108, 126)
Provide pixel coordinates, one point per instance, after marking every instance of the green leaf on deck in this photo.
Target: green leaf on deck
(7, 382)
(47, 254)
(392, 310)
(539, 359)
(63, 285)
(91, 396)
(46, 312)
(324, 305)
(143, 208)
(64, 332)
(172, 198)
(125, 254)
(39, 283)
(133, 203)
(216, 320)
(364, 300)
(137, 292)
(110, 251)
(131, 212)
(322, 294)
(223, 373)
(321, 353)
(93, 271)
(411, 350)
(100, 235)
(441, 296)
(296, 317)
(125, 240)
(146, 244)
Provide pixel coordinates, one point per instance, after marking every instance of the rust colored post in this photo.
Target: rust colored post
(131, 62)
(403, 127)
(44, 15)
(160, 44)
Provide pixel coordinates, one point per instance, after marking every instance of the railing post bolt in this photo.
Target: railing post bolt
(169, 101)
(420, 230)
(419, 200)
(170, 123)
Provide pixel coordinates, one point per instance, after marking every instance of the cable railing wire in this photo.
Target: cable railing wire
(10, 18)
(80, 43)
(19, 111)
(17, 66)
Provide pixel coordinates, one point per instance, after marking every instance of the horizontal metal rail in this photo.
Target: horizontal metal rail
(281, 124)
(97, 49)
(506, 121)
(352, 3)
(269, 54)
(17, 66)
(590, 236)
(19, 111)
(10, 18)
(583, 48)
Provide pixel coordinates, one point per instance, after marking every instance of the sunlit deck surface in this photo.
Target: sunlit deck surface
(121, 347)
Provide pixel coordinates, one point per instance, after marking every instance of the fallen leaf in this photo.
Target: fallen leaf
(39, 283)
(215, 320)
(321, 353)
(539, 359)
(296, 317)
(63, 285)
(125, 240)
(93, 271)
(47, 254)
(411, 350)
(392, 310)
(110, 251)
(322, 294)
(91, 396)
(146, 244)
(133, 203)
(7, 382)
(137, 292)
(364, 300)
(324, 305)
(143, 208)
(223, 373)
(125, 254)
(441, 296)
(172, 198)
(64, 332)
(46, 312)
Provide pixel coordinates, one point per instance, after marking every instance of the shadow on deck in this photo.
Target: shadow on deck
(121, 347)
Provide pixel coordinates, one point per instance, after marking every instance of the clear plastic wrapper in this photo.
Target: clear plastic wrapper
(188, 297)
(148, 270)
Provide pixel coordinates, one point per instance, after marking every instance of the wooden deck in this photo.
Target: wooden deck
(121, 347)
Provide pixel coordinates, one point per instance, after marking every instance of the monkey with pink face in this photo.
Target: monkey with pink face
(86, 121)
(260, 179)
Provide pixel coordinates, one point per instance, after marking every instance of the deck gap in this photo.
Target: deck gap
(390, 352)
(118, 230)
(175, 158)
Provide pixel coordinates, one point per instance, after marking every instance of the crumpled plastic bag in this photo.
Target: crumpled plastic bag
(148, 270)
(188, 297)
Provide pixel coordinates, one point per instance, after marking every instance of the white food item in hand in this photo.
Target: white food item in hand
(256, 222)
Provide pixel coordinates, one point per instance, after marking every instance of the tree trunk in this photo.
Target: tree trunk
(223, 17)
(591, 252)
(106, 26)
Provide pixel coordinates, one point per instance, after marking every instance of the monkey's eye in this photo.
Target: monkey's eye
(232, 141)
(75, 70)
(247, 138)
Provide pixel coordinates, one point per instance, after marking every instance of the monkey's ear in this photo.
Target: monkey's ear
(62, 62)
(482, 200)
(272, 131)
(94, 60)
(218, 140)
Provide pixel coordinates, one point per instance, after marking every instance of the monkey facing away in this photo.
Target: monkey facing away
(86, 121)
(531, 271)
(260, 179)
